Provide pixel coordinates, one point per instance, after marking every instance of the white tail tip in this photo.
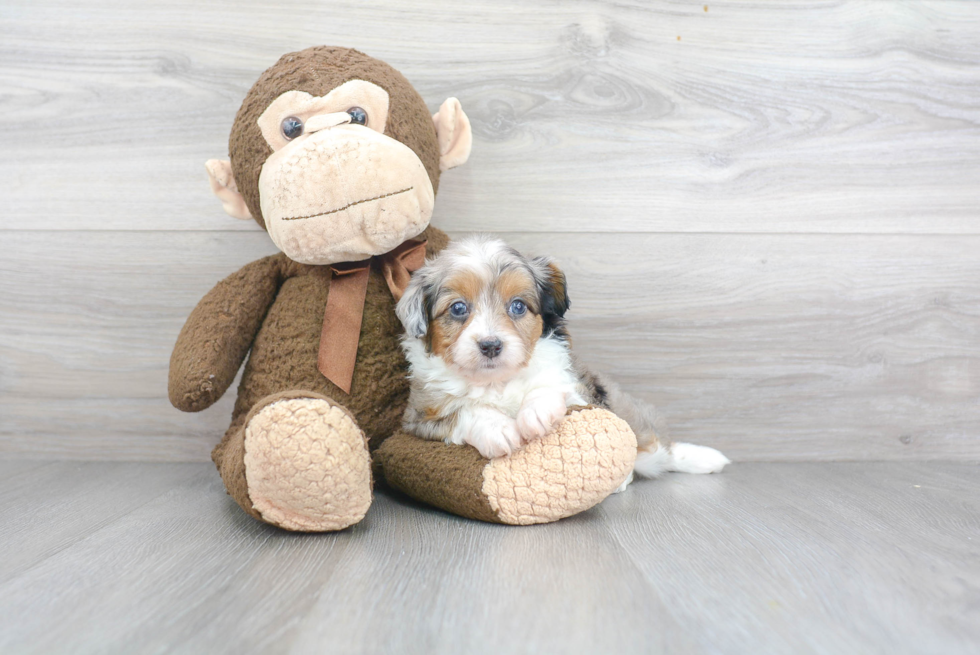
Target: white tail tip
(688, 458)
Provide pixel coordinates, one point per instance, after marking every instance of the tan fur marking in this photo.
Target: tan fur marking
(444, 329)
(517, 284)
(439, 338)
(557, 279)
(530, 328)
(465, 285)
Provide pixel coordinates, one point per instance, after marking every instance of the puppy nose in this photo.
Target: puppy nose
(490, 347)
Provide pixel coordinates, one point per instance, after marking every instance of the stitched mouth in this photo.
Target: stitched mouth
(340, 209)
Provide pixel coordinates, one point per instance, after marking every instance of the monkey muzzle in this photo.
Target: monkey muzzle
(344, 194)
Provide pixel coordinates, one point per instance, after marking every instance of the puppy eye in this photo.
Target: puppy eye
(458, 309)
(517, 307)
(291, 127)
(357, 116)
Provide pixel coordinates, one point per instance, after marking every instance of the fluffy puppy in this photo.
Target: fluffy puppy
(490, 363)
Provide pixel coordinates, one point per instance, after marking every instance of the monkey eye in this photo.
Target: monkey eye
(357, 116)
(458, 309)
(291, 127)
(517, 307)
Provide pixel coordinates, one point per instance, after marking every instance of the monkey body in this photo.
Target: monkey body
(336, 156)
(290, 333)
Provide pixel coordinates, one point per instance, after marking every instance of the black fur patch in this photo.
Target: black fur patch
(554, 299)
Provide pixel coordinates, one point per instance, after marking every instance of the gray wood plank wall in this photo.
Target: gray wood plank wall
(769, 213)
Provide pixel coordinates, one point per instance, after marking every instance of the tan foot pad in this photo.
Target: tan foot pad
(573, 468)
(307, 466)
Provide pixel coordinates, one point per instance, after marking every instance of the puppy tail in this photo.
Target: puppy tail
(655, 459)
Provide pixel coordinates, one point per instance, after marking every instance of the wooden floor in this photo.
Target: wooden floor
(765, 558)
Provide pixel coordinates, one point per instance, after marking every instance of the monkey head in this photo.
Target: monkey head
(335, 154)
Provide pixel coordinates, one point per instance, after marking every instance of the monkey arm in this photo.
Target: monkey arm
(219, 332)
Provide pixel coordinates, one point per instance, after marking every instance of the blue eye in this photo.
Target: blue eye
(291, 127)
(357, 116)
(517, 307)
(458, 309)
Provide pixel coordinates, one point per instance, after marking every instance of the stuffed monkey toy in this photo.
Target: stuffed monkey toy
(337, 157)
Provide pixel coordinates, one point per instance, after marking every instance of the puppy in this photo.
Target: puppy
(490, 363)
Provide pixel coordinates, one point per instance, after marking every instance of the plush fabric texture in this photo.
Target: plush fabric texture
(316, 71)
(277, 306)
(574, 467)
(583, 460)
(344, 194)
(307, 465)
(219, 332)
(446, 476)
(342, 321)
(299, 448)
(454, 144)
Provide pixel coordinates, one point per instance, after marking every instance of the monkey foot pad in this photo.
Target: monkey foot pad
(307, 465)
(573, 468)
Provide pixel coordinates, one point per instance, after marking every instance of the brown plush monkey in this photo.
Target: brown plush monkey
(337, 157)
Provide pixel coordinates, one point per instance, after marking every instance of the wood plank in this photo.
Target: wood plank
(138, 568)
(440, 584)
(852, 116)
(813, 558)
(791, 347)
(78, 500)
(808, 558)
(408, 579)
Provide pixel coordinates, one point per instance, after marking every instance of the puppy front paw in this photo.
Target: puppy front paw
(494, 434)
(540, 412)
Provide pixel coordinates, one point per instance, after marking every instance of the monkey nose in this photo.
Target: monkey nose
(325, 121)
(490, 347)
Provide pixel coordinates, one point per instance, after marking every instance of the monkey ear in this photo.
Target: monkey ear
(455, 136)
(223, 185)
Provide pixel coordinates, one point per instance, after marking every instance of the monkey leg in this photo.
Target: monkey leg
(574, 467)
(299, 461)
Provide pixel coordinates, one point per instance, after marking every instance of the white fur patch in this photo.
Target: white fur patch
(621, 488)
(652, 463)
(548, 376)
(466, 350)
(540, 411)
(550, 367)
(489, 431)
(689, 458)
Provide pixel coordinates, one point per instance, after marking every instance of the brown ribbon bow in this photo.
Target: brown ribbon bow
(345, 306)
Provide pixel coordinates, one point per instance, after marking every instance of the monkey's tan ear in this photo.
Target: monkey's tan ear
(223, 185)
(455, 136)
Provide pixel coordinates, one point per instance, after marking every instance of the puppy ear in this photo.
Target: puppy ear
(413, 308)
(553, 291)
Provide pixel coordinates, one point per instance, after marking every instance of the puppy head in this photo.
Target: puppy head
(481, 306)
